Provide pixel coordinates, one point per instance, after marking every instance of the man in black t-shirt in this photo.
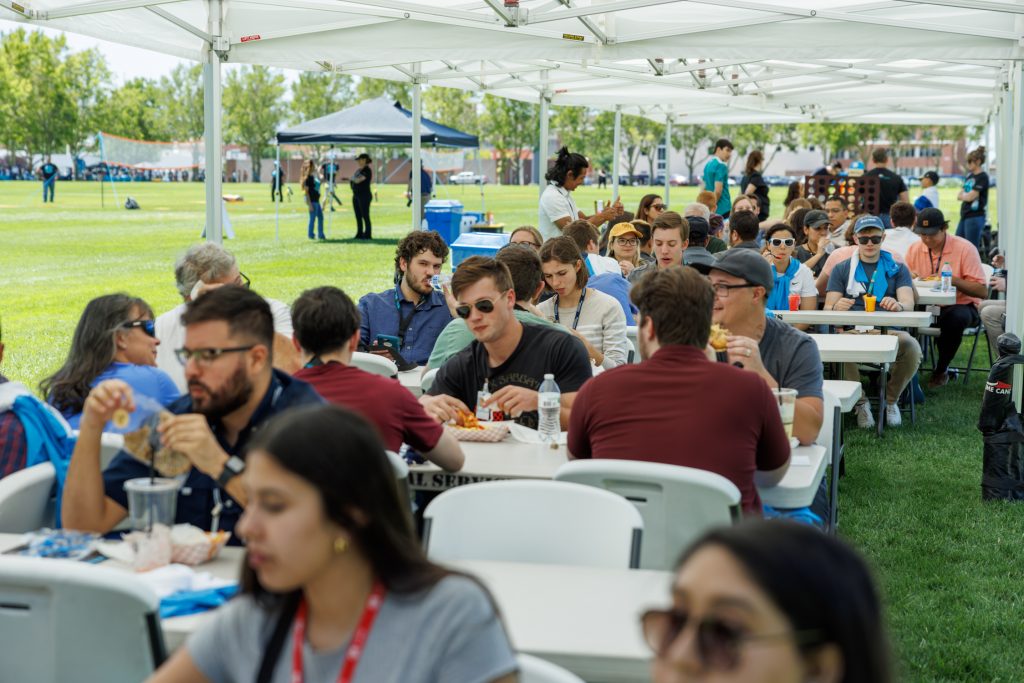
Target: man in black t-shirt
(49, 170)
(891, 189)
(510, 356)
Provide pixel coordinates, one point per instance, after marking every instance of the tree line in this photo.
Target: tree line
(52, 99)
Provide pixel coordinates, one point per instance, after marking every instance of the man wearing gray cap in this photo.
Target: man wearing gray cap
(782, 355)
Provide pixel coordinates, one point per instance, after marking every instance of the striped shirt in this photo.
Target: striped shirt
(602, 322)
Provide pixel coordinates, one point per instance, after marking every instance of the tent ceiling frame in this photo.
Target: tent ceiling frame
(181, 23)
(99, 7)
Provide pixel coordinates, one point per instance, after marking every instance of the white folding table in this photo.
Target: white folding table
(929, 294)
(878, 349)
(879, 318)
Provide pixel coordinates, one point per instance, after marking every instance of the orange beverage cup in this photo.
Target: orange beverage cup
(869, 303)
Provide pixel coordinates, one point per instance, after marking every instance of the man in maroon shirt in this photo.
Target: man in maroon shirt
(326, 325)
(678, 406)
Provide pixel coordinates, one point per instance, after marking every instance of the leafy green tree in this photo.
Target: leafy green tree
(368, 88)
(319, 94)
(692, 140)
(39, 117)
(131, 111)
(181, 111)
(831, 138)
(451, 107)
(89, 81)
(574, 128)
(510, 126)
(254, 108)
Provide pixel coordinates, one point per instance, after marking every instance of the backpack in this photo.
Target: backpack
(130, 204)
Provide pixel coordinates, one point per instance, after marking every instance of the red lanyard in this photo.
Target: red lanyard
(355, 648)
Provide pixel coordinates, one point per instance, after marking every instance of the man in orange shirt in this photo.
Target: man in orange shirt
(925, 259)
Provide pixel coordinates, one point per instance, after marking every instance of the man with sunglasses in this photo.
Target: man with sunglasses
(509, 356)
(203, 268)
(233, 389)
(873, 271)
(781, 355)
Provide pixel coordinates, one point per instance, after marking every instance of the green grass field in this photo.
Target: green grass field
(948, 565)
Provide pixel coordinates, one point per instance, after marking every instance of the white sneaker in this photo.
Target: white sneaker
(865, 420)
(892, 415)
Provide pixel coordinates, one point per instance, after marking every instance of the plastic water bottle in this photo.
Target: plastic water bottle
(549, 407)
(947, 277)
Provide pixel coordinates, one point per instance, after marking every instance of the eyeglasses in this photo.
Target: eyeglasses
(625, 242)
(782, 241)
(718, 642)
(148, 326)
(658, 207)
(484, 306)
(243, 280)
(207, 356)
(872, 239)
(722, 290)
(529, 243)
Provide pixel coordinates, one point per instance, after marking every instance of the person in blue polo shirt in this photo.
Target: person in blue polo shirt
(412, 311)
(233, 389)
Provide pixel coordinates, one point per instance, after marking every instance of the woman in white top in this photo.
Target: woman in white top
(557, 209)
(594, 317)
(336, 585)
(791, 276)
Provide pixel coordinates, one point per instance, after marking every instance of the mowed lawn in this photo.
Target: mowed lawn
(948, 565)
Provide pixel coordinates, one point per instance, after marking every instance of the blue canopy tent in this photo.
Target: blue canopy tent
(375, 122)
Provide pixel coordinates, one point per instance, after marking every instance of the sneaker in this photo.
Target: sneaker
(865, 420)
(892, 415)
(938, 379)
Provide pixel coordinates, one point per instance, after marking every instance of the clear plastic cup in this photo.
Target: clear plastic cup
(151, 501)
(786, 398)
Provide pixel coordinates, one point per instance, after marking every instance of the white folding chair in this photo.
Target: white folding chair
(71, 621)
(26, 499)
(427, 380)
(536, 670)
(378, 365)
(677, 504)
(543, 522)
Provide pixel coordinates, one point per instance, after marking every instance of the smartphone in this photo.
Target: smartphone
(388, 340)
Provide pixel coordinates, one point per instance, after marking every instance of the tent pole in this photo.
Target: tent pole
(542, 147)
(417, 114)
(212, 127)
(668, 146)
(1010, 175)
(615, 153)
(280, 190)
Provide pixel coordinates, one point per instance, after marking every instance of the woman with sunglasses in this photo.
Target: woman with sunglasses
(336, 586)
(650, 208)
(527, 234)
(816, 247)
(624, 246)
(770, 602)
(115, 339)
(594, 317)
(791, 276)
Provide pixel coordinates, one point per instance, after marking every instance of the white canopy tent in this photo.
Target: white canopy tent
(722, 61)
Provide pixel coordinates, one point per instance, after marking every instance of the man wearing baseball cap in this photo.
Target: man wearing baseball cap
(870, 271)
(925, 260)
(782, 355)
(697, 255)
(929, 198)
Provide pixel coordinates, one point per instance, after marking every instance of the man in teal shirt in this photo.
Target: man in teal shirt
(716, 176)
(528, 281)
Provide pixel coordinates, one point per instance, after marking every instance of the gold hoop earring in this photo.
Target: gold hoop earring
(340, 545)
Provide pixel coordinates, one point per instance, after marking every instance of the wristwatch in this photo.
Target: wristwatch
(232, 468)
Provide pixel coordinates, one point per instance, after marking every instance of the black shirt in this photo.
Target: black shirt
(803, 255)
(362, 188)
(49, 170)
(890, 187)
(760, 189)
(312, 185)
(541, 350)
(979, 182)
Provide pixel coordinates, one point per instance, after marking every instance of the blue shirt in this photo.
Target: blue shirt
(379, 314)
(841, 274)
(199, 493)
(143, 379)
(426, 182)
(715, 171)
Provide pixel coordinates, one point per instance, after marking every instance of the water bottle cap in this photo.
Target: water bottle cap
(549, 375)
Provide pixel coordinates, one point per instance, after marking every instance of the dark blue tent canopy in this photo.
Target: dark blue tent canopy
(374, 122)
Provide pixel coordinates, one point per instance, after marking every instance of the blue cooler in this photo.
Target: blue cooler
(477, 244)
(445, 216)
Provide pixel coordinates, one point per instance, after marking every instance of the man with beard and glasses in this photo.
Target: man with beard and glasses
(412, 311)
(232, 390)
(508, 355)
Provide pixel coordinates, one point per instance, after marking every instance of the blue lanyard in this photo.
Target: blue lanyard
(579, 307)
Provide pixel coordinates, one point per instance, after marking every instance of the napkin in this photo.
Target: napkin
(526, 435)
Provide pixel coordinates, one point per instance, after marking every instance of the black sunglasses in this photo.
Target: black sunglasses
(484, 306)
(243, 280)
(873, 239)
(148, 326)
(658, 207)
(718, 642)
(782, 241)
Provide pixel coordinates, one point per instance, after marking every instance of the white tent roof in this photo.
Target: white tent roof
(726, 61)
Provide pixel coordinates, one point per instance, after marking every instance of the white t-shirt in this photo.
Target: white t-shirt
(803, 282)
(602, 321)
(555, 204)
(171, 334)
(932, 195)
(602, 264)
(898, 240)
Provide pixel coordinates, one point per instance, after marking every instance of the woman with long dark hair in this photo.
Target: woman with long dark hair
(311, 191)
(973, 199)
(753, 183)
(650, 207)
(770, 602)
(115, 339)
(557, 208)
(335, 580)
